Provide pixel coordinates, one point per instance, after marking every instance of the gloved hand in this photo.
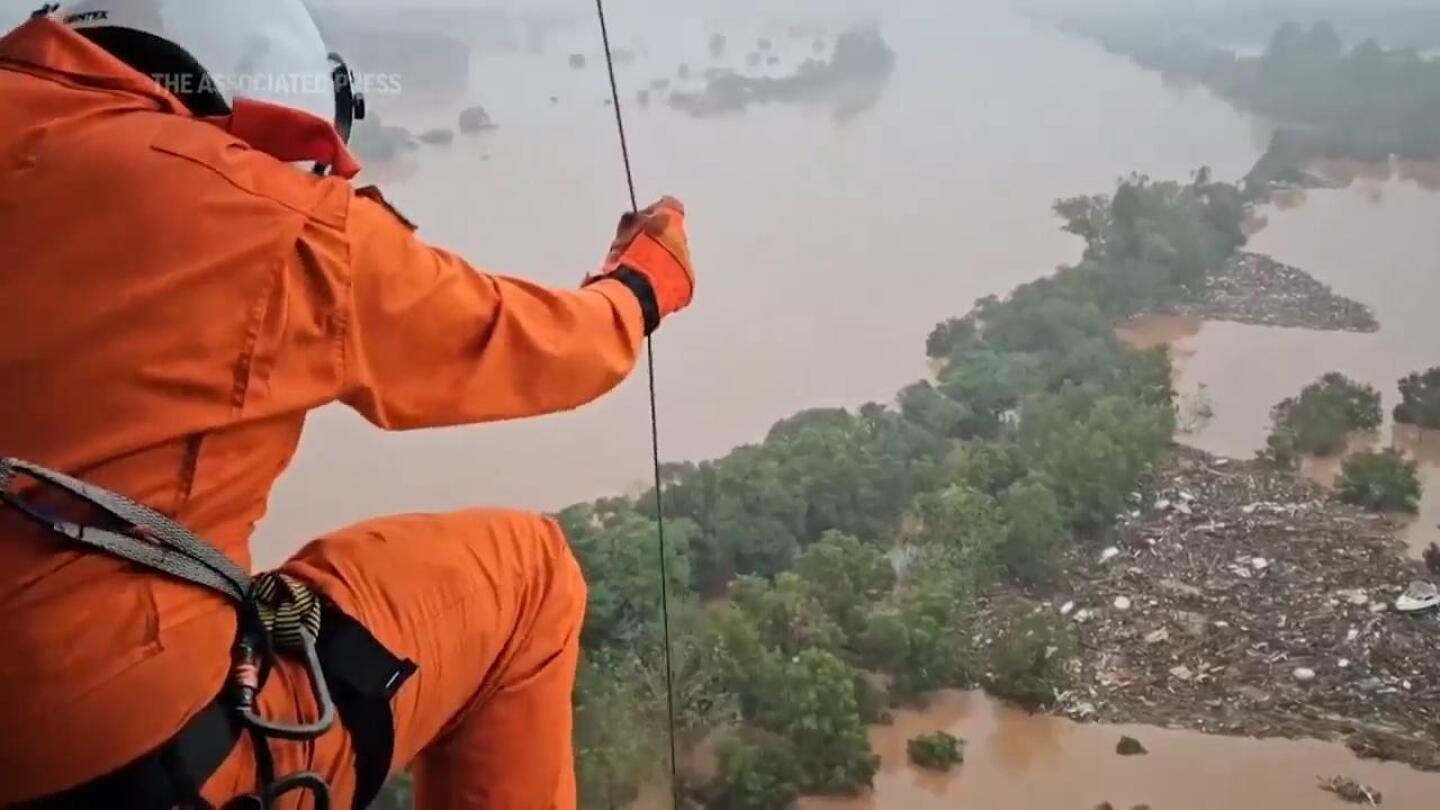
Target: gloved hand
(652, 243)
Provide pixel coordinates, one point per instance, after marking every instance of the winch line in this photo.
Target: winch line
(654, 428)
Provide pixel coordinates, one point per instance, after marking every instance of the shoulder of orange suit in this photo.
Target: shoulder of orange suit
(373, 194)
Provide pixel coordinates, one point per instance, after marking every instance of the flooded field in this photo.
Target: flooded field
(1018, 760)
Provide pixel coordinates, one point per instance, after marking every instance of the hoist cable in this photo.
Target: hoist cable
(654, 429)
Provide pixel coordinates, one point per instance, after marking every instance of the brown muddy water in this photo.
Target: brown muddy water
(826, 251)
(1015, 760)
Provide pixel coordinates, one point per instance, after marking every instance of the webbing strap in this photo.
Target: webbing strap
(288, 609)
(175, 550)
(149, 555)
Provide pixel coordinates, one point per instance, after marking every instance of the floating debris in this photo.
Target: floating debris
(1352, 791)
(475, 119)
(1266, 612)
(438, 137)
(1420, 595)
(1130, 747)
(577, 61)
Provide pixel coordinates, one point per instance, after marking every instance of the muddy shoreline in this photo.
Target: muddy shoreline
(1236, 599)
(1255, 289)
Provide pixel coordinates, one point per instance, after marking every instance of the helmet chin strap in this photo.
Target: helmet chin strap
(349, 103)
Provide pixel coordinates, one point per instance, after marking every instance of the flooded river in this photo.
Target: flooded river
(826, 250)
(1038, 762)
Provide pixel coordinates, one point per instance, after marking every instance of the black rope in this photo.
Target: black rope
(654, 429)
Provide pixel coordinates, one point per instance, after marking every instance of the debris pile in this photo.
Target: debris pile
(1256, 289)
(1352, 791)
(1245, 601)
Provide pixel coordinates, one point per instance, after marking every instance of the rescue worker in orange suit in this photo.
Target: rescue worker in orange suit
(185, 272)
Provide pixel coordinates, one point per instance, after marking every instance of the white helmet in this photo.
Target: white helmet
(210, 52)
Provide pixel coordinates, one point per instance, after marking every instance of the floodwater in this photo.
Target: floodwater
(1374, 241)
(1040, 762)
(826, 250)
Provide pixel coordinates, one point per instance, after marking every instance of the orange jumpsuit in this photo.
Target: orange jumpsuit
(173, 303)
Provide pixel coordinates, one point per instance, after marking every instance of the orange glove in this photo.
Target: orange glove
(651, 244)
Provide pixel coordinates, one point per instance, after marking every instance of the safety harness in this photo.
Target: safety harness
(351, 674)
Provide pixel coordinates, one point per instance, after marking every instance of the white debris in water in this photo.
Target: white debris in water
(1181, 672)
(1122, 603)
(1259, 563)
(1183, 508)
(1186, 497)
(1343, 663)
(1109, 554)
(1066, 608)
(1352, 635)
(1082, 616)
(1162, 504)
(1304, 674)
(1158, 637)
(1355, 596)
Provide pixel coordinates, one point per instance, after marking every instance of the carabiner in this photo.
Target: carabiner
(304, 780)
(247, 680)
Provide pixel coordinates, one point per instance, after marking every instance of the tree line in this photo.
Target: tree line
(836, 569)
(1366, 102)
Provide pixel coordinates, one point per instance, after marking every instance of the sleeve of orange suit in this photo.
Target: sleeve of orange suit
(432, 341)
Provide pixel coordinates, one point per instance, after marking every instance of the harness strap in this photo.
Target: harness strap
(152, 540)
(364, 677)
(277, 611)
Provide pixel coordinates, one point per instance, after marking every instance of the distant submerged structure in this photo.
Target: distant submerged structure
(858, 68)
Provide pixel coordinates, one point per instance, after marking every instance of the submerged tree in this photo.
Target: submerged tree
(937, 752)
(1380, 481)
(1420, 400)
(813, 706)
(1029, 662)
(757, 771)
(1318, 421)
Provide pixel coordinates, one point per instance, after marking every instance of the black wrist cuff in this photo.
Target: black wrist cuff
(644, 293)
